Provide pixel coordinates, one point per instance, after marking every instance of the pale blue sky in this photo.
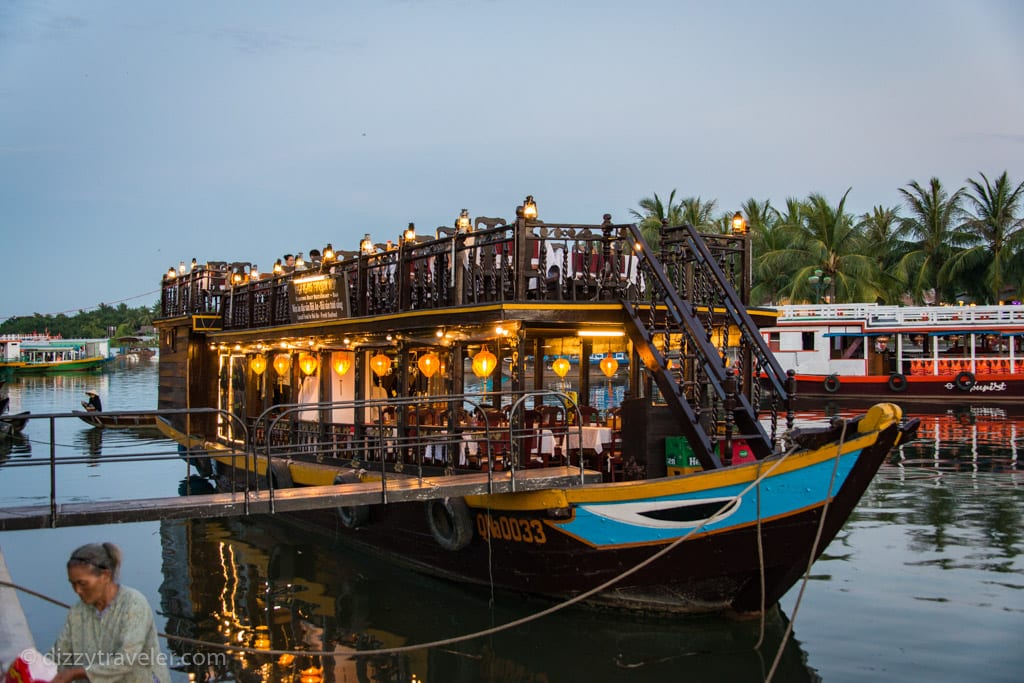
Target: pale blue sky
(134, 135)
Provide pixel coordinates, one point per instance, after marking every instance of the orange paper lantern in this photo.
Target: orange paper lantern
(484, 363)
(342, 363)
(380, 364)
(609, 365)
(258, 364)
(560, 367)
(281, 363)
(308, 363)
(428, 364)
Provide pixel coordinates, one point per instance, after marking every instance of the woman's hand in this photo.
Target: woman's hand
(68, 675)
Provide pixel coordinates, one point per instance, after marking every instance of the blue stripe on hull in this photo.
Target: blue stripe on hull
(616, 524)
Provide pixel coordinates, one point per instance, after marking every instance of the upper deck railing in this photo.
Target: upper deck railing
(894, 317)
(527, 260)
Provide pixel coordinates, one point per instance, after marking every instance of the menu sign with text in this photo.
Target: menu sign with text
(318, 298)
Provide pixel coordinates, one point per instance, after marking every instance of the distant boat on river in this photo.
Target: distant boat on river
(46, 354)
(971, 354)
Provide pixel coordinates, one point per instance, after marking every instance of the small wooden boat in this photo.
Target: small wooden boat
(116, 420)
(13, 424)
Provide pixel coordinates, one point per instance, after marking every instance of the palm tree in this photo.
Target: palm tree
(654, 213)
(767, 236)
(699, 214)
(775, 260)
(933, 220)
(828, 240)
(883, 237)
(999, 228)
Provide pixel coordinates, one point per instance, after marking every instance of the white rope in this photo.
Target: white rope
(810, 560)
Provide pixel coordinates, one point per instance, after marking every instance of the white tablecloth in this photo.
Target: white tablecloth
(594, 438)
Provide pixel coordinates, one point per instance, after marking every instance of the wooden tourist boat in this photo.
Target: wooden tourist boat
(45, 354)
(967, 354)
(445, 359)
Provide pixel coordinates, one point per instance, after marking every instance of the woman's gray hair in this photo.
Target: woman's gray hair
(99, 556)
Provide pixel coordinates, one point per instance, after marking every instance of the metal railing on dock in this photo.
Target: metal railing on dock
(251, 460)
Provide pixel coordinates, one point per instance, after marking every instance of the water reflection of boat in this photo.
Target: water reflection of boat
(273, 588)
(14, 444)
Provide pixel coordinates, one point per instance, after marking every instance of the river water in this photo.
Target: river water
(925, 582)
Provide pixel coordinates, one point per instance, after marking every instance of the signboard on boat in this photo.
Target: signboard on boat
(321, 297)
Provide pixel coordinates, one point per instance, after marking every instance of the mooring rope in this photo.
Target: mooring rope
(810, 560)
(477, 634)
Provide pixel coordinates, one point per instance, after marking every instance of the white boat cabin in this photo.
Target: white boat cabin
(872, 339)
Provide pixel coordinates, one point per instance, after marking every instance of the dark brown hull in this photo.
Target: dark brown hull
(716, 572)
(117, 421)
(1003, 390)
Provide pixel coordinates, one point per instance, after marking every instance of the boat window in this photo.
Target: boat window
(808, 341)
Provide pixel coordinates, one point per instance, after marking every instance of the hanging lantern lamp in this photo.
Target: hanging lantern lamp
(258, 364)
(484, 363)
(342, 364)
(560, 367)
(308, 363)
(380, 364)
(428, 364)
(609, 365)
(281, 363)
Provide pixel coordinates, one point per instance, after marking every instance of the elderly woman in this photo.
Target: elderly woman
(110, 635)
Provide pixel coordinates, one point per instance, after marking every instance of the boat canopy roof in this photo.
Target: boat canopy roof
(858, 334)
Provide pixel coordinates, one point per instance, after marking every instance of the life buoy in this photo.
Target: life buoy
(449, 523)
(831, 384)
(964, 381)
(897, 382)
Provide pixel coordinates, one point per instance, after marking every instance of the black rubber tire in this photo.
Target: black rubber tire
(354, 516)
(964, 381)
(831, 384)
(897, 382)
(450, 523)
(280, 475)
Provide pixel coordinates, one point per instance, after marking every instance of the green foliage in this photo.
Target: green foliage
(101, 322)
(940, 246)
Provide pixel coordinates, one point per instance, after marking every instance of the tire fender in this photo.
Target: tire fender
(897, 382)
(964, 381)
(450, 523)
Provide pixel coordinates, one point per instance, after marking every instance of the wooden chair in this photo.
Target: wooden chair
(588, 414)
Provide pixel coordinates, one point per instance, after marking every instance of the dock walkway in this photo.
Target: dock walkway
(392, 490)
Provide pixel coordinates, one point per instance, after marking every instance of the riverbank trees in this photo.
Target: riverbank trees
(941, 246)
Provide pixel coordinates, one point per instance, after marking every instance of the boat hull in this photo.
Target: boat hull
(1001, 389)
(117, 421)
(515, 543)
(84, 365)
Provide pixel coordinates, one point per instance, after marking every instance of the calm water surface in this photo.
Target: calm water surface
(925, 582)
